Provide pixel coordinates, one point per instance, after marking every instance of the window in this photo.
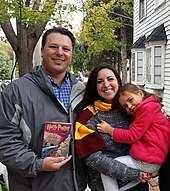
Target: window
(138, 67)
(155, 66)
(142, 9)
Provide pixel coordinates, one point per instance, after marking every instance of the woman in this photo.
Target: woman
(98, 151)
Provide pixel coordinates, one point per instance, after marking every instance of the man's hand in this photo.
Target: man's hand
(54, 163)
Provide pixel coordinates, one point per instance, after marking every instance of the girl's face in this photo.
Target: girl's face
(129, 101)
(107, 85)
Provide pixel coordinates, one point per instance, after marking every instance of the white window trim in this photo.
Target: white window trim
(141, 19)
(152, 45)
(135, 51)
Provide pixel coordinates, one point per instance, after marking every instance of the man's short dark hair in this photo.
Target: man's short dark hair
(60, 30)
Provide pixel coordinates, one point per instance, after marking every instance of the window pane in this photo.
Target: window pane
(157, 51)
(140, 63)
(157, 71)
(157, 80)
(157, 61)
(140, 55)
(140, 78)
(140, 71)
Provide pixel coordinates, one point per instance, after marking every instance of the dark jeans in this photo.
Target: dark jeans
(164, 175)
(140, 187)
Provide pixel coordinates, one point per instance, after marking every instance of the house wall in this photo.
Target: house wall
(154, 18)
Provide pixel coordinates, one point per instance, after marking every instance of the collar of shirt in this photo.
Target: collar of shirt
(66, 80)
(63, 91)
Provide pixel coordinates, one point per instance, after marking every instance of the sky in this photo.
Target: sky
(76, 17)
(1, 33)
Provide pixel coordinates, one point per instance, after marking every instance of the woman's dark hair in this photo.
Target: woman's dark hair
(135, 89)
(60, 30)
(91, 95)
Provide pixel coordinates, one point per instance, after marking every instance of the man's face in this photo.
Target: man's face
(56, 54)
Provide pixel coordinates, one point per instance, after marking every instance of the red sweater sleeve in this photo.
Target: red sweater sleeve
(138, 127)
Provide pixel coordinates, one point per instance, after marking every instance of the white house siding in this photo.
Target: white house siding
(154, 18)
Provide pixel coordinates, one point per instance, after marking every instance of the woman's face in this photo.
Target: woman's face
(107, 84)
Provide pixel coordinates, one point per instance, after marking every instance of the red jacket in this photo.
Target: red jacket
(148, 134)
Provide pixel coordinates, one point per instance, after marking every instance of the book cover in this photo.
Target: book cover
(56, 139)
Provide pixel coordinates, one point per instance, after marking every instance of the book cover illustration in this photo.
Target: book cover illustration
(56, 139)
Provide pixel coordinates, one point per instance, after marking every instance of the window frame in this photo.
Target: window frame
(136, 51)
(142, 9)
(152, 45)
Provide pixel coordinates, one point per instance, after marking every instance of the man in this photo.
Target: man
(47, 94)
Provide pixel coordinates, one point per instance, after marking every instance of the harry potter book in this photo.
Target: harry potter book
(56, 139)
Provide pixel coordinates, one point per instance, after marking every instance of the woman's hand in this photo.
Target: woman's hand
(54, 163)
(144, 176)
(153, 174)
(104, 127)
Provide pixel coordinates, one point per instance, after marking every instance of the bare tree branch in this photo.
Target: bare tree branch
(10, 33)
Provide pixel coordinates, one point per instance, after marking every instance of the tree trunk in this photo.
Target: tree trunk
(25, 63)
(24, 53)
(123, 55)
(23, 43)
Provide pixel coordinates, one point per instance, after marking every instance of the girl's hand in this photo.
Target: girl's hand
(54, 163)
(104, 127)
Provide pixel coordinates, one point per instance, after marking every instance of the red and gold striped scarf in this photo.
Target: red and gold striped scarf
(88, 141)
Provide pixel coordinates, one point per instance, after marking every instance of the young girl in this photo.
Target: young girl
(148, 134)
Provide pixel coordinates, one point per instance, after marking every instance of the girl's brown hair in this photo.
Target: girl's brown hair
(135, 89)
